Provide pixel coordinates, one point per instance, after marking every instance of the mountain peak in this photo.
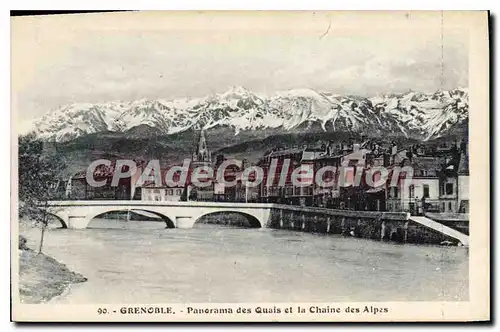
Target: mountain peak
(235, 91)
(419, 115)
(304, 92)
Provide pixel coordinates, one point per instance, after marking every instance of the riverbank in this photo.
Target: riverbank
(41, 277)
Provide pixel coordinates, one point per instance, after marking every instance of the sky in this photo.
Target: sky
(63, 59)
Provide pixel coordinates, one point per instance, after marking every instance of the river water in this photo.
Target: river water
(142, 262)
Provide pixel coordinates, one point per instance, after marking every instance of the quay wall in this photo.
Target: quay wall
(381, 226)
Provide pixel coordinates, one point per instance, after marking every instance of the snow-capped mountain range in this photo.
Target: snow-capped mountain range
(411, 114)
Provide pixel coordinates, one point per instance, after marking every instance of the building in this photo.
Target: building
(416, 193)
(278, 166)
(440, 181)
(237, 191)
(311, 160)
(463, 179)
(77, 187)
(375, 197)
(328, 196)
(343, 192)
(223, 192)
(354, 195)
(150, 191)
(454, 180)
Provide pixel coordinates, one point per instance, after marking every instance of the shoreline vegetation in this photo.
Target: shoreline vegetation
(42, 277)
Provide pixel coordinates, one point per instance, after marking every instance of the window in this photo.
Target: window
(449, 206)
(464, 207)
(426, 191)
(412, 208)
(396, 192)
(411, 192)
(443, 208)
(309, 191)
(297, 191)
(272, 191)
(449, 189)
(178, 192)
(170, 191)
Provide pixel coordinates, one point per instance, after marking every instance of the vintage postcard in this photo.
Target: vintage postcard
(250, 166)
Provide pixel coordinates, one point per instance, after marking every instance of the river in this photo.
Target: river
(142, 262)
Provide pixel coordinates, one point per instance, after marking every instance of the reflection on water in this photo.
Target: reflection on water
(143, 262)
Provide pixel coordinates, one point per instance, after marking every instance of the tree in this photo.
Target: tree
(38, 171)
(184, 194)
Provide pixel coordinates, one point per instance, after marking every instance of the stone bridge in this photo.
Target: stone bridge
(391, 226)
(78, 214)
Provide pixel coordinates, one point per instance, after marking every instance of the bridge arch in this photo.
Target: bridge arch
(168, 222)
(59, 219)
(253, 221)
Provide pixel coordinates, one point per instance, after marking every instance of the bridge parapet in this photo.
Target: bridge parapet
(127, 203)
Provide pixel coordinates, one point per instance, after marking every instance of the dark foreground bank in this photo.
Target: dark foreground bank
(42, 277)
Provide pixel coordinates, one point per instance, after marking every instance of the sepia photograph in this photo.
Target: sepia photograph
(264, 166)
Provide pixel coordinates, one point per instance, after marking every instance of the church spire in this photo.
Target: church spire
(201, 153)
(202, 143)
